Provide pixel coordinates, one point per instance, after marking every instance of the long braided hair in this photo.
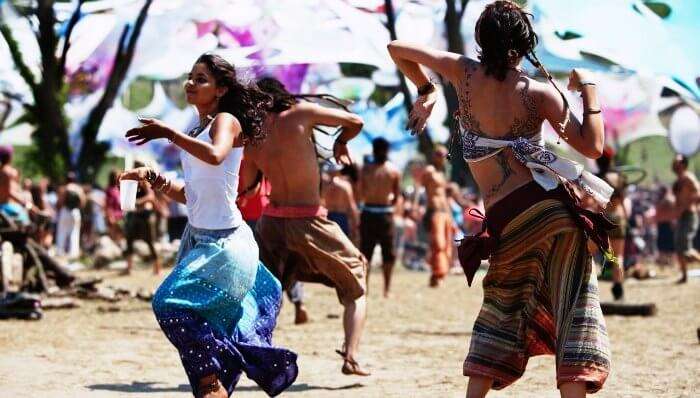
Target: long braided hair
(504, 34)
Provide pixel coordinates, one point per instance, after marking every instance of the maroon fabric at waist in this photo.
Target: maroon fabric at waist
(473, 249)
(512, 205)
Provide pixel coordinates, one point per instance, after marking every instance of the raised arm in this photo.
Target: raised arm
(586, 137)
(224, 130)
(408, 57)
(350, 123)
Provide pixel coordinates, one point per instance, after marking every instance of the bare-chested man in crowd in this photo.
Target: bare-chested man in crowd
(379, 192)
(339, 199)
(296, 239)
(687, 193)
(437, 216)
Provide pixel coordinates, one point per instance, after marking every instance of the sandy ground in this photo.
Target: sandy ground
(414, 343)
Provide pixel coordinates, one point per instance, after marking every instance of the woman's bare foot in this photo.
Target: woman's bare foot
(211, 387)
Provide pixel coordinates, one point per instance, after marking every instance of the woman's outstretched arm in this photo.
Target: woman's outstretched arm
(224, 130)
(408, 57)
(174, 190)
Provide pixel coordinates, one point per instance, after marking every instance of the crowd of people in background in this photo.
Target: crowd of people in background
(68, 218)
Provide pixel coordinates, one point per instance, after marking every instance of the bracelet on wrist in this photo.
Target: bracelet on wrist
(340, 141)
(585, 83)
(591, 112)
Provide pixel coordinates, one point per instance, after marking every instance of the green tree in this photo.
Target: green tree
(53, 152)
(455, 43)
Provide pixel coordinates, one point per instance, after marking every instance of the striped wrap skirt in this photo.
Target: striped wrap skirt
(540, 297)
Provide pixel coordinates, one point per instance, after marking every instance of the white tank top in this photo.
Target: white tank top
(211, 190)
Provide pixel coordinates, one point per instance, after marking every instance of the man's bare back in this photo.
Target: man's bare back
(379, 183)
(298, 228)
(338, 196)
(288, 155)
(288, 159)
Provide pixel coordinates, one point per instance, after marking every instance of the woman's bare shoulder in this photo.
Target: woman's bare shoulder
(469, 65)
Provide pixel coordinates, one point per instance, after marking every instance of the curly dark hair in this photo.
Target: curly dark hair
(281, 98)
(505, 35)
(244, 101)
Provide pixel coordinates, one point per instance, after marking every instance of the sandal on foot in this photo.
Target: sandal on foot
(351, 367)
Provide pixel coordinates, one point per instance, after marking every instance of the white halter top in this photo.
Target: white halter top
(210, 190)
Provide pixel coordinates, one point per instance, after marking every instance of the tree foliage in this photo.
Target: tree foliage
(52, 149)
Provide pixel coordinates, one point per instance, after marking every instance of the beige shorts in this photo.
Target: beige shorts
(312, 249)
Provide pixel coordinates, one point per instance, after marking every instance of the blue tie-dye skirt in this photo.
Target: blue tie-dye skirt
(219, 307)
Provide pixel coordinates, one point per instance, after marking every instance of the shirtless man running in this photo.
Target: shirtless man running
(296, 239)
(379, 191)
(437, 216)
(687, 191)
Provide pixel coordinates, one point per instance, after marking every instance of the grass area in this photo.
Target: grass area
(654, 155)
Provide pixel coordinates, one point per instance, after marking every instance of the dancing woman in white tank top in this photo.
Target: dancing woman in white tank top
(219, 305)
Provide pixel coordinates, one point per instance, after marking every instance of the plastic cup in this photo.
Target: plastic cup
(127, 194)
